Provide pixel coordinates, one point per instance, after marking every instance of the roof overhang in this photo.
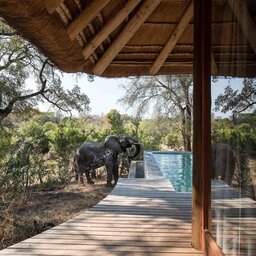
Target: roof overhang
(118, 38)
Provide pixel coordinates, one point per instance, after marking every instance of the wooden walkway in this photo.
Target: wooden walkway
(147, 217)
(140, 217)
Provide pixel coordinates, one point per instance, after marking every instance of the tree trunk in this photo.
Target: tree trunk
(186, 128)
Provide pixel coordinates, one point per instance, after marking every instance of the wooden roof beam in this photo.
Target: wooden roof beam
(86, 16)
(109, 28)
(179, 29)
(66, 16)
(245, 20)
(126, 34)
(51, 5)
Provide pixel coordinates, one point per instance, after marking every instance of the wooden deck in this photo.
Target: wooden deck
(147, 217)
(140, 217)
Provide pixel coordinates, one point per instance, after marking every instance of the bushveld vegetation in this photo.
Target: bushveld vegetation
(38, 148)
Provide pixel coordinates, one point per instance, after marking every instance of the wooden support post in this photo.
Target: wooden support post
(214, 66)
(201, 121)
(211, 248)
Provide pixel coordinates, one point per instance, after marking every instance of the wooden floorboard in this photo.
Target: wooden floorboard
(147, 217)
(140, 217)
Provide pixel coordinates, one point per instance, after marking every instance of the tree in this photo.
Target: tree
(170, 95)
(235, 101)
(20, 62)
(116, 122)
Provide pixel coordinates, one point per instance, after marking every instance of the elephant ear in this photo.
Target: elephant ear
(112, 143)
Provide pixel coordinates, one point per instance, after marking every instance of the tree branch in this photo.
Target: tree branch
(4, 112)
(55, 104)
(246, 107)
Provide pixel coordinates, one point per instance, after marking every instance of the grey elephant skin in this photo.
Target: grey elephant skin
(92, 155)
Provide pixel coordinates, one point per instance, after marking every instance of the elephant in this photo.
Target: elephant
(92, 155)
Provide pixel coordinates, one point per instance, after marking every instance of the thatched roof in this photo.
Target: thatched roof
(134, 37)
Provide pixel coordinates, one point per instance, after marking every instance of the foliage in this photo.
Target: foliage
(66, 137)
(238, 101)
(170, 95)
(131, 125)
(150, 135)
(116, 122)
(53, 142)
(241, 137)
(5, 140)
(64, 140)
(21, 65)
(173, 140)
(34, 132)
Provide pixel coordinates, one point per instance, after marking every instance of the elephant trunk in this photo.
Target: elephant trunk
(137, 145)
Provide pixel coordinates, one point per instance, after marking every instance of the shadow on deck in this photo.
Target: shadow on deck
(142, 216)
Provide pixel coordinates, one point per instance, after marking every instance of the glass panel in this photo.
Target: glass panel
(234, 126)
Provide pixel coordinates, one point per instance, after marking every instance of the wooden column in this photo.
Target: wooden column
(201, 121)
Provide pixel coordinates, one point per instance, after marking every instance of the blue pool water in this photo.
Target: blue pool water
(177, 167)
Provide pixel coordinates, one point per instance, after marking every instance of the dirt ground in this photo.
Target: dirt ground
(39, 209)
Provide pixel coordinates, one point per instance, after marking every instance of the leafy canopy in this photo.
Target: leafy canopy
(20, 64)
(238, 101)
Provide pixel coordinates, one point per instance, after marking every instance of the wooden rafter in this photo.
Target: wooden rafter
(109, 27)
(179, 29)
(102, 25)
(130, 29)
(245, 20)
(51, 5)
(100, 17)
(66, 10)
(62, 15)
(66, 16)
(78, 3)
(93, 32)
(214, 67)
(86, 16)
(81, 34)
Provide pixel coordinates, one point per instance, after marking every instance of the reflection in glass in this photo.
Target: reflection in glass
(234, 127)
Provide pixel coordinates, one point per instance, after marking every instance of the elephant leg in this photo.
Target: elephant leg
(88, 177)
(109, 167)
(115, 168)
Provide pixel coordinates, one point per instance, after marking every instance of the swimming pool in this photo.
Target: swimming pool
(177, 167)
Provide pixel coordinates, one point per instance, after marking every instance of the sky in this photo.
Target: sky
(104, 93)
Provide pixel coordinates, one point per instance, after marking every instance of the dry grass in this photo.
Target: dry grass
(25, 215)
